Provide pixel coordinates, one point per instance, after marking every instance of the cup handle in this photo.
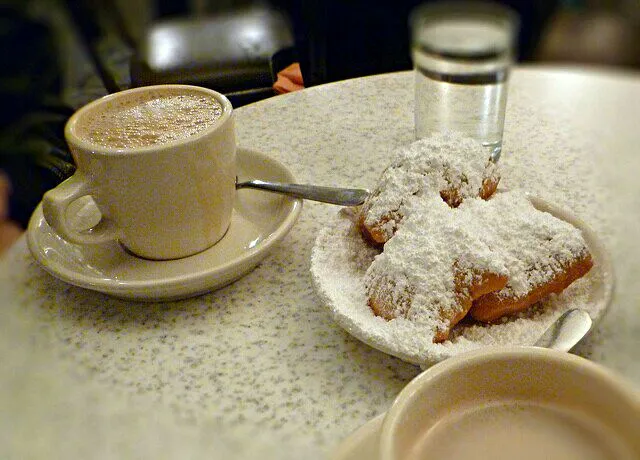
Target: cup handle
(54, 207)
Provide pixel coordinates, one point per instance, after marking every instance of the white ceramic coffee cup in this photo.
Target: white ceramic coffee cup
(162, 201)
(436, 411)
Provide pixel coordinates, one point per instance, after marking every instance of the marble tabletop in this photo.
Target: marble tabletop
(258, 369)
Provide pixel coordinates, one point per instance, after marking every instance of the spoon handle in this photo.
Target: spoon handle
(333, 195)
(566, 331)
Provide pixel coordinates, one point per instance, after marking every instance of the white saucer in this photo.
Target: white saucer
(259, 221)
(340, 258)
(362, 444)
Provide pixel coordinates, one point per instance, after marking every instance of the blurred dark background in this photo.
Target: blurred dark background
(238, 46)
(58, 55)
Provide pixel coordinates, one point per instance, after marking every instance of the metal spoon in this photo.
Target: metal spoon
(332, 195)
(566, 331)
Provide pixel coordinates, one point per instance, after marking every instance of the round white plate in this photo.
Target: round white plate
(259, 221)
(340, 258)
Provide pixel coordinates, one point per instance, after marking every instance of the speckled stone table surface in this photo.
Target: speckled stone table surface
(258, 369)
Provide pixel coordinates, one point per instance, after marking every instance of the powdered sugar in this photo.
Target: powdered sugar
(340, 260)
(418, 267)
(424, 166)
(533, 246)
(506, 236)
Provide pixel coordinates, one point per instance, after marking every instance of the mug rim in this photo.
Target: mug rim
(73, 138)
(407, 395)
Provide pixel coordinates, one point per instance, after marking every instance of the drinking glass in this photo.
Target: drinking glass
(462, 53)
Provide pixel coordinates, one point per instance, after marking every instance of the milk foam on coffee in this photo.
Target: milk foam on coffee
(150, 118)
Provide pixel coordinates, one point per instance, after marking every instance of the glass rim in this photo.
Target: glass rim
(502, 17)
(493, 12)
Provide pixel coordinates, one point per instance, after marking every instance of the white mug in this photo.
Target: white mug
(163, 201)
(513, 402)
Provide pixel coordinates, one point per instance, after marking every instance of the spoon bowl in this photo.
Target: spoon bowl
(565, 333)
